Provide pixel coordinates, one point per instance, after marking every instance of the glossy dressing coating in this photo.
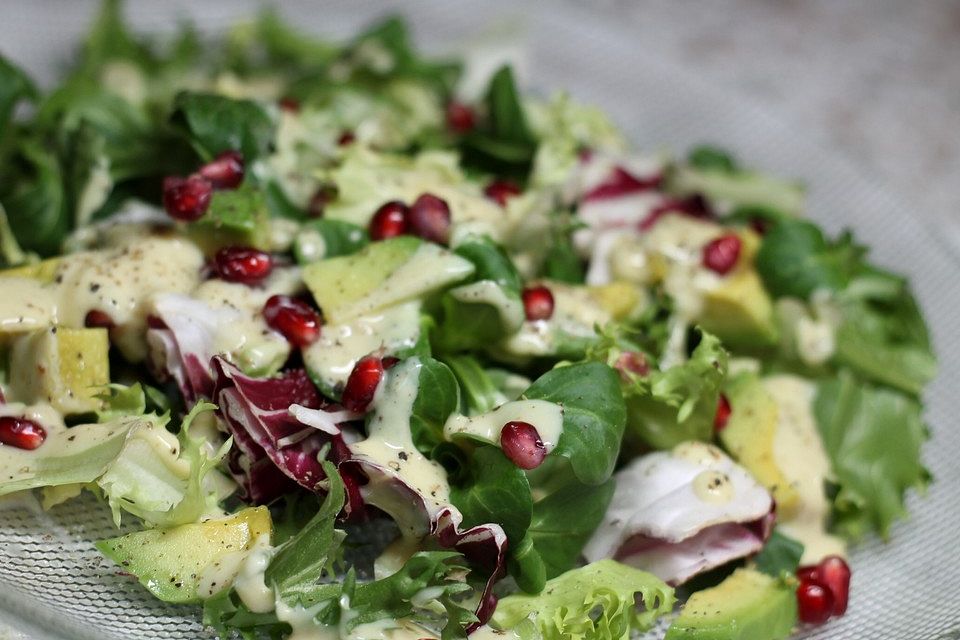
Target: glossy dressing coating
(798, 452)
(546, 417)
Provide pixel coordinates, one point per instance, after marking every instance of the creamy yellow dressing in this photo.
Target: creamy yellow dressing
(249, 580)
(546, 417)
(510, 308)
(390, 444)
(798, 452)
(331, 358)
(576, 313)
(121, 282)
(18, 464)
(26, 305)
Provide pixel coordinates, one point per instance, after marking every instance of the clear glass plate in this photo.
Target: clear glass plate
(54, 585)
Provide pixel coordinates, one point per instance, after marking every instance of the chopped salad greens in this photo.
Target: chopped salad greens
(366, 357)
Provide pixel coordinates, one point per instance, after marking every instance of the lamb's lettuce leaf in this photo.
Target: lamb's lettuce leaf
(593, 417)
(595, 601)
(796, 259)
(780, 554)
(216, 123)
(873, 436)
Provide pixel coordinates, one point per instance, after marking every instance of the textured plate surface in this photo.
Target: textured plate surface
(54, 585)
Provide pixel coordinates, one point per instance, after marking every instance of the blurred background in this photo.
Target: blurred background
(877, 80)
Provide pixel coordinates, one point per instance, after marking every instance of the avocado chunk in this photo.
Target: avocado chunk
(170, 562)
(748, 605)
(44, 271)
(235, 218)
(740, 311)
(749, 437)
(382, 275)
(68, 368)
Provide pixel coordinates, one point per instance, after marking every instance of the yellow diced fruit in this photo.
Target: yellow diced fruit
(749, 437)
(67, 368)
(44, 271)
(620, 299)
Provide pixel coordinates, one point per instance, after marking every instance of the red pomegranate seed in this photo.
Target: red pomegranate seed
(347, 137)
(362, 383)
(694, 206)
(834, 572)
(460, 117)
(324, 195)
(296, 320)
(225, 171)
(537, 303)
(722, 416)
(186, 199)
(243, 264)
(389, 221)
(500, 191)
(291, 105)
(620, 183)
(21, 433)
(522, 444)
(390, 361)
(96, 319)
(808, 572)
(429, 218)
(814, 602)
(631, 363)
(721, 254)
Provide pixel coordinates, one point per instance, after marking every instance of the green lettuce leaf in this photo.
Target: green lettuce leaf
(714, 174)
(216, 123)
(165, 485)
(472, 325)
(438, 396)
(313, 552)
(596, 601)
(796, 259)
(668, 407)
(780, 554)
(873, 437)
(490, 488)
(593, 416)
(882, 335)
(503, 143)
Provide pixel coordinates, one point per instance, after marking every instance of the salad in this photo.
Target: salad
(364, 355)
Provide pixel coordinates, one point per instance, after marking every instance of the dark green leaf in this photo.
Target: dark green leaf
(873, 437)
(479, 391)
(710, 158)
(437, 398)
(493, 489)
(564, 521)
(882, 335)
(310, 554)
(593, 416)
(780, 554)
(563, 264)
(216, 123)
(37, 206)
(235, 218)
(503, 144)
(15, 86)
(491, 262)
(795, 259)
(339, 239)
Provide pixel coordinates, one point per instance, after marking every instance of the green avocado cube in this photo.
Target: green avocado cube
(748, 605)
